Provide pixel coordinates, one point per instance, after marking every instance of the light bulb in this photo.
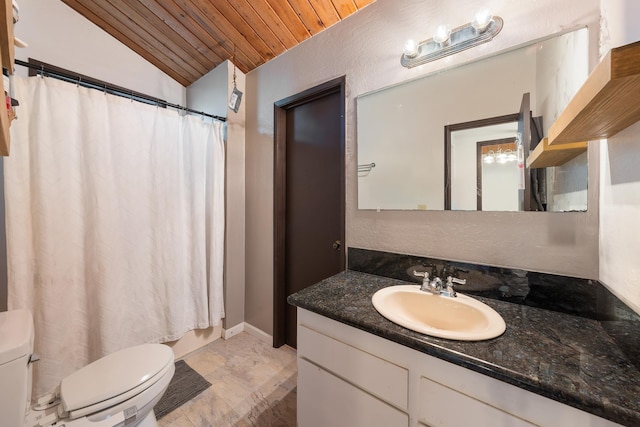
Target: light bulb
(442, 34)
(489, 157)
(482, 20)
(410, 48)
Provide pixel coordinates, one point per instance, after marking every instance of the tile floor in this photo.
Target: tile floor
(253, 384)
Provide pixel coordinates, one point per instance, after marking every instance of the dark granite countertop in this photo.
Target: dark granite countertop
(570, 359)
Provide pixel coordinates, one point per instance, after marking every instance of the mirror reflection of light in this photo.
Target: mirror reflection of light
(501, 157)
(490, 157)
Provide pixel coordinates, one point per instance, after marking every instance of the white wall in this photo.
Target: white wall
(500, 186)
(366, 48)
(58, 35)
(209, 93)
(620, 179)
(561, 69)
(566, 184)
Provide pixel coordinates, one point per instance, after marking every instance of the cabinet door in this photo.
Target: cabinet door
(380, 378)
(443, 406)
(326, 400)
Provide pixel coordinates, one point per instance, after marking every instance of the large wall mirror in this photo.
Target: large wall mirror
(433, 143)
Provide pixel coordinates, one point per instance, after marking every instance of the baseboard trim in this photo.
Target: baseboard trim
(234, 330)
(258, 333)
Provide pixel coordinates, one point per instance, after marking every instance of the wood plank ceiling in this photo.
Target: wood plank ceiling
(188, 38)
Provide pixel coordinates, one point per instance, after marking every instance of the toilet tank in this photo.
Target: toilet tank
(16, 347)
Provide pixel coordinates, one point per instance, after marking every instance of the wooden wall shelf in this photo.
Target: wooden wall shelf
(608, 102)
(545, 155)
(7, 52)
(6, 34)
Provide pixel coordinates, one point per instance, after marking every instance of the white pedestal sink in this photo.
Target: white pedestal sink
(457, 318)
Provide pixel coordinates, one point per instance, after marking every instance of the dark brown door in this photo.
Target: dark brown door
(310, 221)
(524, 135)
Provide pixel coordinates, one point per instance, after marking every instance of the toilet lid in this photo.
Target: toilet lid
(114, 375)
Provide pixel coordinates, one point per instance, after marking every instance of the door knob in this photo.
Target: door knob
(337, 244)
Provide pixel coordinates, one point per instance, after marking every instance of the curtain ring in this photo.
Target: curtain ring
(79, 81)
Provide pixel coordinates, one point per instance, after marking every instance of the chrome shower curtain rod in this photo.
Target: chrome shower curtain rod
(38, 67)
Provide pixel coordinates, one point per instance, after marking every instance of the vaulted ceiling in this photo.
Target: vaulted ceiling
(188, 38)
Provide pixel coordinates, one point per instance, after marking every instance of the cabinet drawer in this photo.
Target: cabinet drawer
(443, 406)
(326, 400)
(377, 376)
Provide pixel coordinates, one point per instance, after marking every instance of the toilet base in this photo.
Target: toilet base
(149, 420)
(38, 418)
(139, 406)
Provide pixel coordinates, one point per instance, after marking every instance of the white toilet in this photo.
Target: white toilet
(120, 389)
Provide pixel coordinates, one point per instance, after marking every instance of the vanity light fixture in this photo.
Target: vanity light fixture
(446, 42)
(500, 156)
(443, 32)
(490, 157)
(410, 48)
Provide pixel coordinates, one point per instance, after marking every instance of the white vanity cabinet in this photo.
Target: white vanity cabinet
(348, 377)
(346, 386)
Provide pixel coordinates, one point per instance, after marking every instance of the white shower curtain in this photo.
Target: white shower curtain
(115, 223)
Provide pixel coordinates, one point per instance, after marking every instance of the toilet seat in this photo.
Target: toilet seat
(115, 379)
(119, 389)
(135, 410)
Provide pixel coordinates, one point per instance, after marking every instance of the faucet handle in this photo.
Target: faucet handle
(452, 280)
(425, 279)
(424, 274)
(449, 291)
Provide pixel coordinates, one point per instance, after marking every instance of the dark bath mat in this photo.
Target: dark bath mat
(184, 386)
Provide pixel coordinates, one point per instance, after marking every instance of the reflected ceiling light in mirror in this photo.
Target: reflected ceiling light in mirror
(446, 42)
(490, 157)
(500, 157)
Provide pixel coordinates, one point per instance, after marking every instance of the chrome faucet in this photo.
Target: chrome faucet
(449, 291)
(436, 286)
